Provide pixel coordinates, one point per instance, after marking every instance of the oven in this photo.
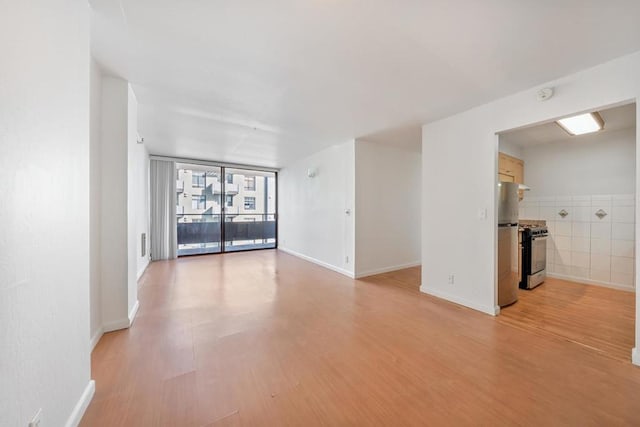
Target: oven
(534, 256)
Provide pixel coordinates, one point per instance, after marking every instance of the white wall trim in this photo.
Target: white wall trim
(81, 406)
(493, 311)
(116, 325)
(133, 312)
(635, 356)
(95, 338)
(318, 262)
(387, 269)
(592, 282)
(142, 270)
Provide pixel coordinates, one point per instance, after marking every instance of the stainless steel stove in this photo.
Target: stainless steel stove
(534, 255)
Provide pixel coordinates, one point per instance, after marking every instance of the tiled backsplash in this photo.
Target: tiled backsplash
(582, 246)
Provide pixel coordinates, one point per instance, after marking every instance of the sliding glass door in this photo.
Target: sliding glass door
(250, 210)
(223, 209)
(199, 209)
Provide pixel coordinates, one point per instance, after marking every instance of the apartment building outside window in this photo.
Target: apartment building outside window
(229, 209)
(197, 179)
(250, 184)
(250, 203)
(197, 202)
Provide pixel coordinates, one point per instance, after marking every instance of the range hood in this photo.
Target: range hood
(523, 187)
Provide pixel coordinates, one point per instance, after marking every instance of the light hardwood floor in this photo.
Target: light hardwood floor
(598, 318)
(264, 338)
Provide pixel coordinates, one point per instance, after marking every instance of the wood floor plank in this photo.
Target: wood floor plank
(595, 317)
(264, 338)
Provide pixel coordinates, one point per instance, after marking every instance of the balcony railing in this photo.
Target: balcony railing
(231, 189)
(202, 234)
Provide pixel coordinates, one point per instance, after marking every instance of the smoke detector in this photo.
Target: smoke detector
(545, 94)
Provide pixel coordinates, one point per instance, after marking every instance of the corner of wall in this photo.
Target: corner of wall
(133, 312)
(95, 338)
(490, 310)
(320, 228)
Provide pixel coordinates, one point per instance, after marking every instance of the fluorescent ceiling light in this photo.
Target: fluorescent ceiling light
(584, 123)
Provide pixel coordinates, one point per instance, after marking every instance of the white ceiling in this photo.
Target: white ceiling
(266, 82)
(617, 118)
(408, 137)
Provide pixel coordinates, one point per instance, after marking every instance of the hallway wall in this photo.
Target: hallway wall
(44, 182)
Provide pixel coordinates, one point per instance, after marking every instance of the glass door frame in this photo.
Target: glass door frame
(223, 204)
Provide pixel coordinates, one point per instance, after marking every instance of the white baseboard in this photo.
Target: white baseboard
(635, 356)
(95, 338)
(491, 310)
(82, 405)
(116, 325)
(318, 262)
(591, 282)
(387, 269)
(142, 270)
(133, 312)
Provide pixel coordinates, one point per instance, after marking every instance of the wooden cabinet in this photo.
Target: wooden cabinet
(510, 169)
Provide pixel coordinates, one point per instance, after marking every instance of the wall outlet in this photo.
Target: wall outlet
(35, 421)
(346, 259)
(452, 279)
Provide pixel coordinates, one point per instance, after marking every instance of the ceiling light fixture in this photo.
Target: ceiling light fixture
(582, 124)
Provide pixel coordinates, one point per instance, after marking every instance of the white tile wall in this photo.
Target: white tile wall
(583, 246)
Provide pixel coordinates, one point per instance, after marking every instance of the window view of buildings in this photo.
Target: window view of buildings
(208, 197)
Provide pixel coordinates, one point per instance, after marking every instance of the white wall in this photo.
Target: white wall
(138, 199)
(140, 206)
(312, 219)
(511, 149)
(114, 249)
(387, 208)
(600, 163)
(95, 184)
(459, 172)
(124, 204)
(44, 182)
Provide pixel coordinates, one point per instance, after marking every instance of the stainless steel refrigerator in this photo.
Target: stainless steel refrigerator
(508, 245)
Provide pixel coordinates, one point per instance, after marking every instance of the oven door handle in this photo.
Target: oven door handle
(539, 237)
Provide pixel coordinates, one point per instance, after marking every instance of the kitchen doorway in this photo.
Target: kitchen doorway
(578, 189)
